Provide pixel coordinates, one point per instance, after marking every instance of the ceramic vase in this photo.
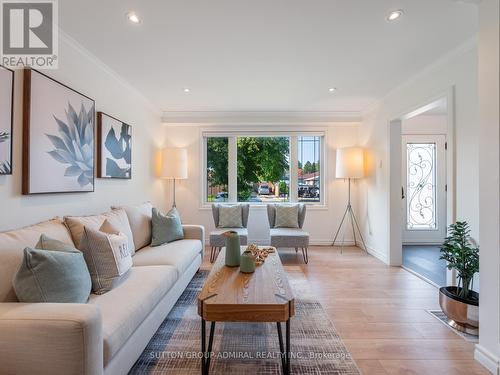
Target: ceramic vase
(233, 250)
(247, 262)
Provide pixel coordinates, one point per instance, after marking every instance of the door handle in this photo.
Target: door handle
(402, 192)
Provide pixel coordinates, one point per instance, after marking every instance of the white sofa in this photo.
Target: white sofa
(105, 335)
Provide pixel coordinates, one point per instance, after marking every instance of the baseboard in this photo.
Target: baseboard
(487, 359)
(376, 253)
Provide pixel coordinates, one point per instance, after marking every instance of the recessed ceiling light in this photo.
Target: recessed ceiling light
(186, 90)
(332, 89)
(133, 17)
(394, 15)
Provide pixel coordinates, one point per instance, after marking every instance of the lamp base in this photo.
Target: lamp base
(354, 222)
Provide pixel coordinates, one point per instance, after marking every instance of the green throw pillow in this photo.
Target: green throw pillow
(166, 228)
(52, 272)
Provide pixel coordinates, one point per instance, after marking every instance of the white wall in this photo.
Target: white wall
(488, 349)
(321, 222)
(459, 70)
(81, 71)
(425, 124)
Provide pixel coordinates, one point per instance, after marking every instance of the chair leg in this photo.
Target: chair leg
(296, 249)
(212, 253)
(305, 255)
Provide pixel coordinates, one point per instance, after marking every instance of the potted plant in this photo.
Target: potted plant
(460, 303)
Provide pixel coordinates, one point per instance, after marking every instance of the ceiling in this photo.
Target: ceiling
(267, 55)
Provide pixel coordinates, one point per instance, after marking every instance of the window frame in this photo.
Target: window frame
(293, 135)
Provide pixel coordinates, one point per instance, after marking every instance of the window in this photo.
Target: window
(263, 168)
(216, 171)
(309, 170)
(256, 168)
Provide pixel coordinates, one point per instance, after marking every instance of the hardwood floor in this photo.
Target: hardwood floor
(380, 313)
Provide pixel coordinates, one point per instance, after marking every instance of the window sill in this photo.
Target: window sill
(260, 206)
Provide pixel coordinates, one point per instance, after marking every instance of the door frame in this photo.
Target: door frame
(395, 238)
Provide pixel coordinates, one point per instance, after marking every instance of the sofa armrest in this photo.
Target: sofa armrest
(50, 338)
(195, 232)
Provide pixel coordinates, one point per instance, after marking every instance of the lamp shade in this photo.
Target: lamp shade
(174, 163)
(350, 163)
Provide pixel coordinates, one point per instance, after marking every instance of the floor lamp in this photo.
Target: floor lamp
(174, 165)
(350, 165)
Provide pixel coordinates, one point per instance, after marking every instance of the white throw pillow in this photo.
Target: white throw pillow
(117, 218)
(230, 216)
(139, 217)
(287, 216)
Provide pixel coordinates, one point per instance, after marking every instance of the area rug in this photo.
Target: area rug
(247, 348)
(441, 316)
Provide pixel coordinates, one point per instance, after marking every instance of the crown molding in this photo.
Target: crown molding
(237, 118)
(73, 43)
(462, 49)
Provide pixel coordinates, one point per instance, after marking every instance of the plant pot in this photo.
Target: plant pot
(463, 314)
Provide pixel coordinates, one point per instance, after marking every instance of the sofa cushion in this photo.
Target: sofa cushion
(166, 228)
(126, 306)
(287, 216)
(12, 245)
(179, 254)
(139, 217)
(57, 275)
(230, 216)
(289, 237)
(108, 258)
(117, 218)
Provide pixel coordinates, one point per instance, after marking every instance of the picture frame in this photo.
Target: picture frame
(114, 148)
(6, 120)
(58, 137)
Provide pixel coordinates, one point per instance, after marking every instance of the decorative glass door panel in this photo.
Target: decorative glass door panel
(424, 189)
(421, 186)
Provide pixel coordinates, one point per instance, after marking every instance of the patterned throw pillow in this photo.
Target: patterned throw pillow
(107, 255)
(287, 216)
(166, 228)
(52, 272)
(230, 216)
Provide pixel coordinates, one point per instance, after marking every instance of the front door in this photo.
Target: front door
(423, 190)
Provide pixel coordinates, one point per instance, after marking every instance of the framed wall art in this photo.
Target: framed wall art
(6, 119)
(58, 137)
(114, 147)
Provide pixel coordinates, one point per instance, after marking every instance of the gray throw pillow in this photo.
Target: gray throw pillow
(166, 228)
(52, 272)
(287, 216)
(230, 216)
(107, 255)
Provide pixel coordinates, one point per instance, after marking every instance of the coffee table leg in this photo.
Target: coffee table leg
(203, 339)
(287, 344)
(282, 349)
(209, 351)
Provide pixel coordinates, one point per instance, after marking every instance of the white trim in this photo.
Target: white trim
(487, 359)
(380, 255)
(394, 205)
(237, 118)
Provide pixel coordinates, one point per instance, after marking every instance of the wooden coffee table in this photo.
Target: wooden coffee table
(231, 296)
